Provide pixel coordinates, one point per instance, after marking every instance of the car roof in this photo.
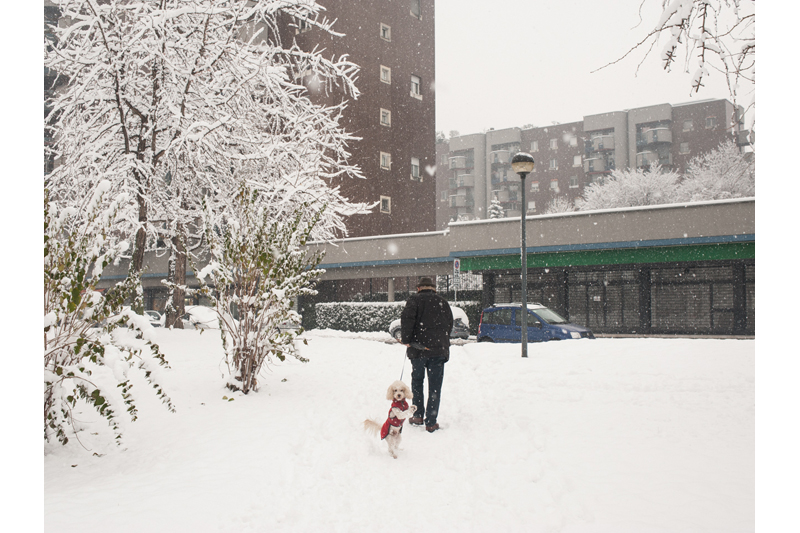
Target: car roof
(533, 305)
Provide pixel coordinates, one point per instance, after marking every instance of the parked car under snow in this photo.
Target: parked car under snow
(460, 325)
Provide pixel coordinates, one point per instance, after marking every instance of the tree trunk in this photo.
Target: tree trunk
(178, 273)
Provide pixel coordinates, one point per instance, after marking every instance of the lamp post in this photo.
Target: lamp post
(522, 164)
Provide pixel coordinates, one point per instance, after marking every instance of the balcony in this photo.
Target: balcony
(656, 135)
(465, 180)
(458, 162)
(502, 196)
(647, 159)
(597, 164)
(461, 200)
(501, 156)
(602, 142)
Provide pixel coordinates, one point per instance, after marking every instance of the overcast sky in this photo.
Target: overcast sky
(509, 63)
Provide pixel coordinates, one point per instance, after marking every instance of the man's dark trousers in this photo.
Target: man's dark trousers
(435, 370)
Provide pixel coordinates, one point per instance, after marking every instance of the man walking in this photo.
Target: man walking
(425, 325)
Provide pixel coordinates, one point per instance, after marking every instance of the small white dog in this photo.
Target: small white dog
(398, 393)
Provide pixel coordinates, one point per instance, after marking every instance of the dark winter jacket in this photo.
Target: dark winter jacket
(427, 320)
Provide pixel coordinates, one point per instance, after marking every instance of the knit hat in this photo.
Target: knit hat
(426, 282)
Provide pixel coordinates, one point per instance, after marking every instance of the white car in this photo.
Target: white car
(156, 318)
(200, 317)
(460, 325)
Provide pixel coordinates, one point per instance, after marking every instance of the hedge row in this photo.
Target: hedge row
(375, 316)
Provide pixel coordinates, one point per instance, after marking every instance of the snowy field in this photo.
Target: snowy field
(605, 435)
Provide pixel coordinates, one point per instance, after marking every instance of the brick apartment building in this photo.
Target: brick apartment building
(393, 43)
(477, 168)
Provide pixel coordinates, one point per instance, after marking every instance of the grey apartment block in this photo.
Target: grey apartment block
(569, 157)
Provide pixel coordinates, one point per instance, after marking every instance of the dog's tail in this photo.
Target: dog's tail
(372, 427)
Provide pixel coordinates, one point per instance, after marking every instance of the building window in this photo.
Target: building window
(573, 182)
(386, 32)
(688, 125)
(301, 26)
(576, 161)
(386, 204)
(531, 207)
(416, 87)
(444, 196)
(573, 140)
(553, 164)
(554, 185)
(386, 117)
(415, 169)
(534, 146)
(711, 122)
(415, 11)
(684, 148)
(386, 75)
(386, 161)
(554, 144)
(534, 186)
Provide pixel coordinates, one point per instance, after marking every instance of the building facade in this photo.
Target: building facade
(571, 156)
(394, 116)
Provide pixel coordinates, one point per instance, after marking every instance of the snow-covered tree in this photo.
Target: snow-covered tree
(705, 36)
(259, 264)
(719, 174)
(629, 188)
(560, 204)
(496, 209)
(165, 99)
(85, 367)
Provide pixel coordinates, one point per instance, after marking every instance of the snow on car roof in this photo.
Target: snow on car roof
(533, 305)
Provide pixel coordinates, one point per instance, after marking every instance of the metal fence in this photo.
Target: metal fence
(703, 299)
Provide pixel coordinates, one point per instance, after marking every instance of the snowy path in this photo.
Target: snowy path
(618, 435)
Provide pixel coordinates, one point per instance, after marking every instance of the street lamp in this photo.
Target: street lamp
(522, 164)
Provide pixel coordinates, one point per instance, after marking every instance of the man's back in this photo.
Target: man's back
(427, 320)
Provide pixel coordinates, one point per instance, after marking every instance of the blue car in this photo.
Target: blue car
(502, 323)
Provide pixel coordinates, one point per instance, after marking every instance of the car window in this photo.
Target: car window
(533, 321)
(550, 316)
(500, 317)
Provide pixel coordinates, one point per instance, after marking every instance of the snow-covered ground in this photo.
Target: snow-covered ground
(605, 435)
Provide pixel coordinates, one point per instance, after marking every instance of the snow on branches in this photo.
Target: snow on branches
(162, 99)
(258, 265)
(720, 174)
(707, 35)
(630, 188)
(85, 366)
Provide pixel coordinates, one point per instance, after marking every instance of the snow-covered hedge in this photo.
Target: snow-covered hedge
(358, 316)
(376, 316)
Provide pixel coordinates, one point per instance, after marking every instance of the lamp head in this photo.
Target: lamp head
(522, 163)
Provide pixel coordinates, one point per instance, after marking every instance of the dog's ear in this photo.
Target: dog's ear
(409, 394)
(390, 392)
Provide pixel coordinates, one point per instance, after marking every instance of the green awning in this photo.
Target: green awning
(654, 254)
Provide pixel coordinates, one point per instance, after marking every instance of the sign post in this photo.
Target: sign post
(456, 277)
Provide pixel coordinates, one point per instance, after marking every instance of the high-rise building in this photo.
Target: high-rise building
(393, 43)
(571, 156)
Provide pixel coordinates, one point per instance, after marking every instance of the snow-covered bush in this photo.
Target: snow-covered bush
(358, 316)
(631, 188)
(259, 263)
(559, 204)
(719, 174)
(496, 209)
(85, 366)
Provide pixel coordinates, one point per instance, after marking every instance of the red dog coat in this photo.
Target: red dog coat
(396, 422)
